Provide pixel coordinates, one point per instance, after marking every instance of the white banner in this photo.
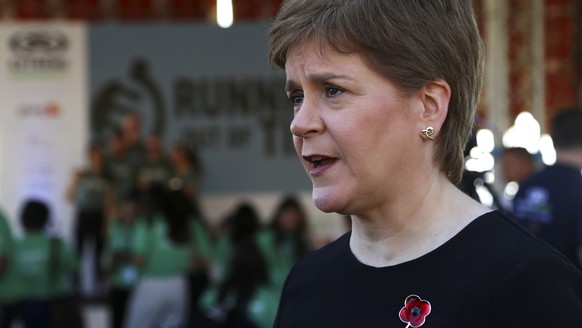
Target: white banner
(43, 116)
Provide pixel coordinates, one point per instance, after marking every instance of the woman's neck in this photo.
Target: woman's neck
(415, 226)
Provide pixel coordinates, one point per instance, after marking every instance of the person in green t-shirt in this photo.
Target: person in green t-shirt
(187, 174)
(242, 283)
(187, 177)
(167, 251)
(120, 167)
(118, 256)
(91, 193)
(286, 238)
(5, 242)
(283, 243)
(7, 296)
(43, 266)
(155, 167)
(203, 250)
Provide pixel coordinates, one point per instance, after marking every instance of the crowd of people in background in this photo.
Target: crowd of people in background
(548, 202)
(545, 200)
(160, 264)
(156, 260)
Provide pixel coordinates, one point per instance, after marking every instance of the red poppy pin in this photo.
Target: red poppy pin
(414, 311)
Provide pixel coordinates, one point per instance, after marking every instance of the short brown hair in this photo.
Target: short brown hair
(411, 42)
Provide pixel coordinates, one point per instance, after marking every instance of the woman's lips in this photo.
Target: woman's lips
(318, 164)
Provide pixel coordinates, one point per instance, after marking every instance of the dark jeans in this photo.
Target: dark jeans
(199, 281)
(234, 319)
(118, 303)
(9, 313)
(36, 313)
(90, 225)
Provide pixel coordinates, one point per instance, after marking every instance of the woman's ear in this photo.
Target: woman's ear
(435, 97)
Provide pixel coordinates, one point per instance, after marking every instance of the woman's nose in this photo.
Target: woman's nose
(307, 121)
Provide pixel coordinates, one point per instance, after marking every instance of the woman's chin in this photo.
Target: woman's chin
(327, 201)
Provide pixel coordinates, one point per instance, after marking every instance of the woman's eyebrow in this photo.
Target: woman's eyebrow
(316, 77)
(290, 85)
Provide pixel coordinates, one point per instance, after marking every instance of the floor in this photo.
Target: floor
(96, 316)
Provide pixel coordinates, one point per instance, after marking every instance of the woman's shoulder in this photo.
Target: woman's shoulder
(331, 255)
(498, 234)
(494, 244)
(546, 284)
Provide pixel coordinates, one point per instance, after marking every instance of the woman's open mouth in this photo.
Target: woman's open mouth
(319, 163)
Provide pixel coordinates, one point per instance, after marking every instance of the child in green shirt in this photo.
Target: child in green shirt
(43, 266)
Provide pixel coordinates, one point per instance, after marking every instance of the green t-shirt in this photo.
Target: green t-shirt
(122, 171)
(6, 247)
(118, 254)
(201, 239)
(6, 238)
(154, 171)
(190, 180)
(280, 258)
(262, 307)
(161, 256)
(220, 258)
(42, 267)
(91, 192)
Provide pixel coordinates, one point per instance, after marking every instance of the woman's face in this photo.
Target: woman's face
(356, 135)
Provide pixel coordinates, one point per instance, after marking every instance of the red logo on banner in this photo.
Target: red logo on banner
(50, 110)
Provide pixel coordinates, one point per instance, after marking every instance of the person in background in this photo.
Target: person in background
(549, 203)
(118, 256)
(120, 167)
(131, 137)
(155, 167)
(43, 265)
(202, 252)
(243, 275)
(516, 164)
(187, 171)
(8, 283)
(384, 94)
(283, 243)
(286, 239)
(6, 240)
(91, 193)
(475, 184)
(165, 254)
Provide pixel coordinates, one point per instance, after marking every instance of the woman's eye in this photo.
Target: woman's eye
(295, 100)
(332, 91)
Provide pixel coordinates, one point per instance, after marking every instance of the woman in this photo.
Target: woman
(384, 95)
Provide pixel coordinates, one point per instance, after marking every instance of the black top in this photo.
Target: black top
(491, 274)
(549, 204)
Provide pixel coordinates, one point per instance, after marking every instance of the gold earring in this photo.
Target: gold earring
(428, 132)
